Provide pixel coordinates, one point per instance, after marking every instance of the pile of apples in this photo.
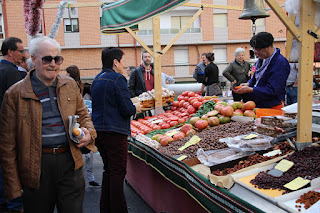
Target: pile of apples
(222, 114)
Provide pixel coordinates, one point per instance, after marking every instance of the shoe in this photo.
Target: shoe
(93, 183)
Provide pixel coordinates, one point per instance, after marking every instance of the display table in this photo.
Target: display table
(168, 185)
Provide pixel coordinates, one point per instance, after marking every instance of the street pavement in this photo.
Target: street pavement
(92, 196)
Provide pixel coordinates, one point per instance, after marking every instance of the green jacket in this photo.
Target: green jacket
(236, 71)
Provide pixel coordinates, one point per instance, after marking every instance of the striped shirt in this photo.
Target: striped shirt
(53, 131)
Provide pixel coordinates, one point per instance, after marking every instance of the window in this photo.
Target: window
(220, 20)
(1, 28)
(179, 22)
(260, 22)
(71, 27)
(220, 54)
(181, 56)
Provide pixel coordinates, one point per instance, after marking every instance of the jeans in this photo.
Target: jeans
(292, 94)
(14, 204)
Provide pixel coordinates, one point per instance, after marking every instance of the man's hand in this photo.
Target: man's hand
(138, 107)
(85, 140)
(243, 89)
(244, 84)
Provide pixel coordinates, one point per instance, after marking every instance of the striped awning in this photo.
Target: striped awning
(116, 16)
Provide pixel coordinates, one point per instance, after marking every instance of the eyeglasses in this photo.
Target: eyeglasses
(47, 60)
(21, 51)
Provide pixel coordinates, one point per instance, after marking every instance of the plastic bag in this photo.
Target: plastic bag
(239, 143)
(215, 157)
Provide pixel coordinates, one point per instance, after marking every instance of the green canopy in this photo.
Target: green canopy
(116, 16)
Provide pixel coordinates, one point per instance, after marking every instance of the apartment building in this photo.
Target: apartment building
(215, 30)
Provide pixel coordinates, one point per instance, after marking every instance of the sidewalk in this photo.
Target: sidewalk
(92, 196)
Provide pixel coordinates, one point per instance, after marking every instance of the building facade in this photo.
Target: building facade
(215, 30)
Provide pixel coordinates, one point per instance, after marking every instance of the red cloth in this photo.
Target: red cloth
(148, 80)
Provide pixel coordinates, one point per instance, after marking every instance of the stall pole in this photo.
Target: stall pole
(157, 65)
(305, 74)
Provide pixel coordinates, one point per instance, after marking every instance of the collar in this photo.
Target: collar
(145, 69)
(3, 61)
(27, 91)
(39, 85)
(239, 62)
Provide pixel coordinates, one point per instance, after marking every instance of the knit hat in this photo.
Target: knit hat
(261, 40)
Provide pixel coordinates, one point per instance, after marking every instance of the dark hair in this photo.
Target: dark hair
(145, 51)
(10, 44)
(74, 73)
(210, 56)
(109, 54)
(205, 54)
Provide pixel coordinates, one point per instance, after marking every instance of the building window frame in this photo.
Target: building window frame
(71, 25)
(2, 34)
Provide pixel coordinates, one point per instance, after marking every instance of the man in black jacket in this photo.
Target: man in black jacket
(13, 52)
(142, 79)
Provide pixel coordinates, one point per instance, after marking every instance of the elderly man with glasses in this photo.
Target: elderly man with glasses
(268, 85)
(39, 160)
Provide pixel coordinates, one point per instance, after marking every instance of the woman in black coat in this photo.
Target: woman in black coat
(211, 77)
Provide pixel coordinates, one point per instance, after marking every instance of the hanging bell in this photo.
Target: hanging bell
(253, 9)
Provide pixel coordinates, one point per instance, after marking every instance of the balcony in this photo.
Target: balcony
(169, 31)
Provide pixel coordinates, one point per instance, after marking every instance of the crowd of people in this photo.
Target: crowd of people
(41, 167)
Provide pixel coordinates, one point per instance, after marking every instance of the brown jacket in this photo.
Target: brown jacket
(21, 131)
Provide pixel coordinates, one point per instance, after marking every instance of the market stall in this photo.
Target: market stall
(216, 160)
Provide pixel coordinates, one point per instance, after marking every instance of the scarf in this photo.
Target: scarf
(148, 72)
(261, 69)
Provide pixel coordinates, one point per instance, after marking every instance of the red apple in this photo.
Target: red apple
(185, 128)
(214, 121)
(201, 124)
(193, 120)
(178, 136)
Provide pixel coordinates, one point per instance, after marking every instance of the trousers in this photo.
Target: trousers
(113, 148)
(60, 186)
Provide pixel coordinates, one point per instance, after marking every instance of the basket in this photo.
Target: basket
(170, 99)
(268, 112)
(147, 103)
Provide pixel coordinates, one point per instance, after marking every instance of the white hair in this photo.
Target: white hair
(30, 63)
(239, 50)
(35, 44)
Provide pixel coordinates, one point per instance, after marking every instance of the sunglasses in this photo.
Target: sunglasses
(47, 60)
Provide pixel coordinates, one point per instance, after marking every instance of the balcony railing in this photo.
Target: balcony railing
(169, 31)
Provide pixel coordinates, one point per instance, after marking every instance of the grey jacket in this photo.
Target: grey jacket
(236, 71)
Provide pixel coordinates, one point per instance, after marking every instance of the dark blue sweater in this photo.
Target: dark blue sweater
(111, 104)
(271, 88)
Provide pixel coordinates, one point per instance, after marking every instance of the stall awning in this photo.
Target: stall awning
(116, 16)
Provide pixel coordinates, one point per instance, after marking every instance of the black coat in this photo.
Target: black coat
(136, 82)
(9, 75)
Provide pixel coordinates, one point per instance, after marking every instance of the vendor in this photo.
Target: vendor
(267, 88)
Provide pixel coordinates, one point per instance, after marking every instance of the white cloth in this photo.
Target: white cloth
(165, 78)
